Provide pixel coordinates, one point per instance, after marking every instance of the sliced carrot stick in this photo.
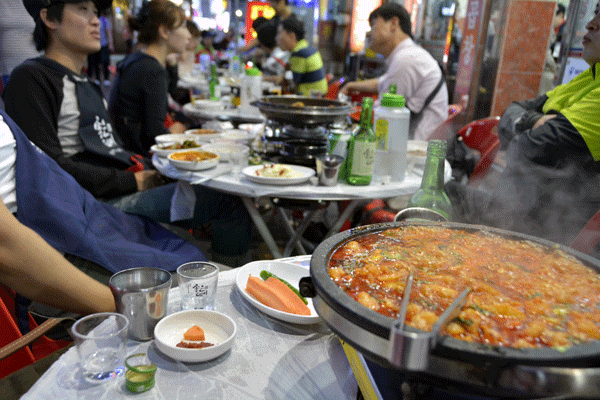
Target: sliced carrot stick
(275, 296)
(294, 304)
(195, 333)
(264, 293)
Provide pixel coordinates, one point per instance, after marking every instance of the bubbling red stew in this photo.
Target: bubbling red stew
(524, 295)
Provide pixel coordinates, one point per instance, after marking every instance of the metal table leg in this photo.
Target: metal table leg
(290, 231)
(261, 226)
(295, 240)
(344, 216)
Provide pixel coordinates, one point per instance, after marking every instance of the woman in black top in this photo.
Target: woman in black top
(138, 102)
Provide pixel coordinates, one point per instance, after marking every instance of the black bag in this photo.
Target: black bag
(462, 159)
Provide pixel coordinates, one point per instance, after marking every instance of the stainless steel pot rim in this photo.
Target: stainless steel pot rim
(310, 103)
(316, 110)
(371, 321)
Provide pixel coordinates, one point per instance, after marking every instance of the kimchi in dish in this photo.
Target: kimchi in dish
(524, 295)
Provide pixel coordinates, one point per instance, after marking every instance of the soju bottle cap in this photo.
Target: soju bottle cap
(253, 71)
(392, 100)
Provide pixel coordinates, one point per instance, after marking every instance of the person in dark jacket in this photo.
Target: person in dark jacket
(138, 101)
(549, 187)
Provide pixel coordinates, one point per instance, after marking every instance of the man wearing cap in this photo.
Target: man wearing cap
(416, 74)
(305, 61)
(65, 115)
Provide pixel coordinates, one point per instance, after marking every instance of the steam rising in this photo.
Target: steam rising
(550, 203)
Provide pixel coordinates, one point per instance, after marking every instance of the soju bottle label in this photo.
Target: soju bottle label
(381, 131)
(363, 158)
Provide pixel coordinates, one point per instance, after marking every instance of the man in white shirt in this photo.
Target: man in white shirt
(416, 74)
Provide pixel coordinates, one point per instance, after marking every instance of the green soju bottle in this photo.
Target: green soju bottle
(361, 148)
(431, 194)
(213, 83)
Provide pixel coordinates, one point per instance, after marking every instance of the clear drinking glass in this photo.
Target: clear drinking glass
(239, 161)
(198, 285)
(101, 341)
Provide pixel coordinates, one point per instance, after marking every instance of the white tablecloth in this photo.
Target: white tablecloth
(269, 360)
(242, 186)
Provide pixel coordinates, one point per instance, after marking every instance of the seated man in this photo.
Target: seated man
(65, 115)
(549, 187)
(273, 67)
(305, 61)
(411, 68)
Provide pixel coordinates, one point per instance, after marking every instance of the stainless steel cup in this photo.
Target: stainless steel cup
(328, 168)
(141, 294)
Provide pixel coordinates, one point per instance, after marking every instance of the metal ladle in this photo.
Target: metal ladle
(411, 350)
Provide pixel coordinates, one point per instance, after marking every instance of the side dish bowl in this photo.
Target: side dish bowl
(193, 160)
(219, 329)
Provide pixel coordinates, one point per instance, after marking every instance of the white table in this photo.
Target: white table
(219, 179)
(269, 360)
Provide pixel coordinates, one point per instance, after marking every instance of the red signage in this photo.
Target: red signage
(360, 22)
(254, 10)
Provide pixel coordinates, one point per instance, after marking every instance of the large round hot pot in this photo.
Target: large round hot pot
(301, 111)
(493, 370)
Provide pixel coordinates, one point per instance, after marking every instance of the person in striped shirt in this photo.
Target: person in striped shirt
(305, 61)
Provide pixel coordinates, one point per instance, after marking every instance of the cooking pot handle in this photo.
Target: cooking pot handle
(419, 213)
(306, 287)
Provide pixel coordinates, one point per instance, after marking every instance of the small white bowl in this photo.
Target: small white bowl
(204, 135)
(208, 105)
(159, 151)
(193, 165)
(219, 329)
(416, 154)
(238, 135)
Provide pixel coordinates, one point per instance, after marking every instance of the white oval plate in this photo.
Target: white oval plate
(224, 149)
(289, 272)
(156, 149)
(193, 165)
(173, 137)
(307, 173)
(219, 329)
(203, 137)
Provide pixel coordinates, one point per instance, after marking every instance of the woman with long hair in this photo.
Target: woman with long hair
(139, 101)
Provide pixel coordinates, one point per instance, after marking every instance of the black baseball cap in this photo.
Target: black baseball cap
(35, 6)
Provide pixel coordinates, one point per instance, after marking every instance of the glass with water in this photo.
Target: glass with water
(101, 341)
